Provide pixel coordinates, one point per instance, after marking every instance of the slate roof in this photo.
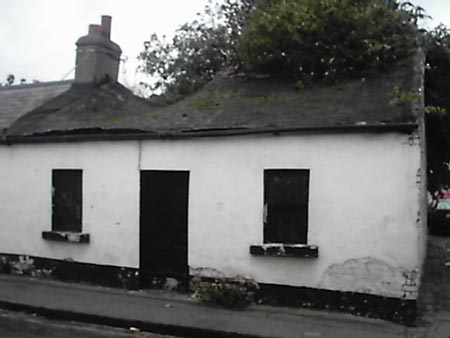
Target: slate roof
(87, 108)
(233, 104)
(15, 101)
(265, 103)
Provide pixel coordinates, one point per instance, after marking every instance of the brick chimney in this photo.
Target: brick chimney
(97, 56)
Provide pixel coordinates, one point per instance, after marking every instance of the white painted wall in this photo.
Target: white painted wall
(110, 200)
(363, 206)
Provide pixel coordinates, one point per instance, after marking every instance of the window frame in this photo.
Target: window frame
(66, 206)
(286, 201)
(278, 246)
(65, 217)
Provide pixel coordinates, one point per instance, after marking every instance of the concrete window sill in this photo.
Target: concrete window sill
(285, 250)
(66, 236)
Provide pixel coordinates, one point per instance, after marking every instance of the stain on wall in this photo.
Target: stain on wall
(372, 276)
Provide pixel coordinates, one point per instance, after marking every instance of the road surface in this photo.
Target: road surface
(21, 325)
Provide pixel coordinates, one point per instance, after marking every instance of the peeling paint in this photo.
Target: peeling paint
(419, 177)
(414, 139)
(24, 266)
(410, 286)
(171, 284)
(205, 272)
(285, 250)
(69, 270)
(372, 276)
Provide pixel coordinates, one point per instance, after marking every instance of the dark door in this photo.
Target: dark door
(163, 225)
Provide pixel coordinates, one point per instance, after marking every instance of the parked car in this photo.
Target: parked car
(439, 217)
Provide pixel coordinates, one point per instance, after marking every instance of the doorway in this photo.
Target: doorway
(163, 226)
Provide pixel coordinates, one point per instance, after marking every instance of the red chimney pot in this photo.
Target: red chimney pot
(106, 26)
(95, 29)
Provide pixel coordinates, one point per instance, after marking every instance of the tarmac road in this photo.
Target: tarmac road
(21, 325)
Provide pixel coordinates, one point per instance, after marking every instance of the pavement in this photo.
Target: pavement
(177, 314)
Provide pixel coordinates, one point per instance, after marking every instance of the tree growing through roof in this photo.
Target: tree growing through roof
(198, 50)
(312, 40)
(307, 40)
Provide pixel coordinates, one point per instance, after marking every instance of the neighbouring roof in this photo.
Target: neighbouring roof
(232, 103)
(16, 101)
(87, 108)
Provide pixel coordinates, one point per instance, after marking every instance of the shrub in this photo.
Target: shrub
(236, 294)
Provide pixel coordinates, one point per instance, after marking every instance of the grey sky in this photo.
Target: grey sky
(38, 36)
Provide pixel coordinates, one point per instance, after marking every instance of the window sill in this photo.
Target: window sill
(66, 236)
(285, 250)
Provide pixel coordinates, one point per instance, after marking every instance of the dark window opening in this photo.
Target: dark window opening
(66, 200)
(286, 194)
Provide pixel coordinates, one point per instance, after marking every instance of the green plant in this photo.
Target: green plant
(400, 97)
(229, 294)
(306, 40)
(314, 40)
(197, 52)
(436, 110)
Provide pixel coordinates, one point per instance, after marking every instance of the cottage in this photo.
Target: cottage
(317, 195)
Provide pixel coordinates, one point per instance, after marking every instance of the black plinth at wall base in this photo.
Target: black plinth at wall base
(70, 271)
(393, 309)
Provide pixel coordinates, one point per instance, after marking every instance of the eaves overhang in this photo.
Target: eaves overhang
(405, 128)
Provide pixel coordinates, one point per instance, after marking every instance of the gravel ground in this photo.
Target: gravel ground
(435, 289)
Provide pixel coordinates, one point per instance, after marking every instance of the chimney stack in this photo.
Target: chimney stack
(97, 56)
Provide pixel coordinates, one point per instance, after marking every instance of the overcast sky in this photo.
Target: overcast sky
(37, 37)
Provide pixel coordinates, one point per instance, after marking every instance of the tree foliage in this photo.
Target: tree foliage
(10, 79)
(437, 87)
(327, 39)
(307, 40)
(197, 51)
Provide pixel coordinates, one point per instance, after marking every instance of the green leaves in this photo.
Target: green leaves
(186, 63)
(198, 50)
(305, 40)
(326, 39)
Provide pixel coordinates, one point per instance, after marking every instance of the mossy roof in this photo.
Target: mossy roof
(232, 102)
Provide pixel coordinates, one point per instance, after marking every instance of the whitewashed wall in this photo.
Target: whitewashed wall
(364, 203)
(110, 200)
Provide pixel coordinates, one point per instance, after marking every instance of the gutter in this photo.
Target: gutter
(406, 128)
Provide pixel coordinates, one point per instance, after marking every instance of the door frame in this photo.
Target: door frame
(159, 279)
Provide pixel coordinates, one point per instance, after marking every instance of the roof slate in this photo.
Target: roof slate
(231, 102)
(86, 108)
(241, 102)
(15, 101)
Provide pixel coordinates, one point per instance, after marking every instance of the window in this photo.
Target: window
(66, 200)
(67, 195)
(286, 198)
(286, 206)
